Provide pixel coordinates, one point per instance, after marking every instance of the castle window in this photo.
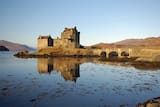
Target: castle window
(50, 42)
(71, 40)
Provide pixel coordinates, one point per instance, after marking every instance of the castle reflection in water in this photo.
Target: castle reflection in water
(68, 67)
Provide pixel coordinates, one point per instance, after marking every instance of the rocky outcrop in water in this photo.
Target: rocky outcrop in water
(3, 48)
(150, 103)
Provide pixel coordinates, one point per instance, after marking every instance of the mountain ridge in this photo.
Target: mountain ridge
(15, 46)
(150, 41)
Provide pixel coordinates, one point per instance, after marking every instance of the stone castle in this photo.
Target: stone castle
(70, 38)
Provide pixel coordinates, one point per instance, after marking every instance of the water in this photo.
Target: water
(69, 82)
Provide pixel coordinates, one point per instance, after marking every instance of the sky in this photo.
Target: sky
(22, 21)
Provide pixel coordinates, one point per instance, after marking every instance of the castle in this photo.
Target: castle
(70, 38)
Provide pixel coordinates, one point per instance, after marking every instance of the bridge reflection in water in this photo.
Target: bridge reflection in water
(68, 67)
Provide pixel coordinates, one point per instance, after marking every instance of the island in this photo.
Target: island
(68, 45)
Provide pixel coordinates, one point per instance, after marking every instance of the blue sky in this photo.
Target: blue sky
(98, 20)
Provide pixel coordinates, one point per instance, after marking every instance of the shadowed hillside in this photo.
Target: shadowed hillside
(3, 48)
(14, 46)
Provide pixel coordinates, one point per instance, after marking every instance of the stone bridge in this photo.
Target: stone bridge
(146, 53)
(115, 52)
(152, 54)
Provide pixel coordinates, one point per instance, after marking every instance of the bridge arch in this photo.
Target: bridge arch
(125, 53)
(113, 54)
(103, 54)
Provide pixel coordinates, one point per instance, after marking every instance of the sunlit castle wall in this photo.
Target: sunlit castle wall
(44, 42)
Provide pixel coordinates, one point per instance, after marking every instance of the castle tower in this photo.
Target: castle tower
(44, 42)
(70, 38)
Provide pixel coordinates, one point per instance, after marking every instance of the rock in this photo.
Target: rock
(151, 103)
(22, 53)
(3, 48)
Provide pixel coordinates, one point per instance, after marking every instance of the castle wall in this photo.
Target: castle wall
(63, 43)
(77, 39)
(69, 39)
(44, 42)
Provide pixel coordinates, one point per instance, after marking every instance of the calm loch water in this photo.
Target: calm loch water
(69, 82)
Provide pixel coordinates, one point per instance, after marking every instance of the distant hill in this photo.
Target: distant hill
(100, 45)
(152, 41)
(15, 46)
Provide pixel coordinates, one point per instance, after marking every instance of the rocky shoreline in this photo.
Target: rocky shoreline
(26, 54)
(155, 102)
(131, 61)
